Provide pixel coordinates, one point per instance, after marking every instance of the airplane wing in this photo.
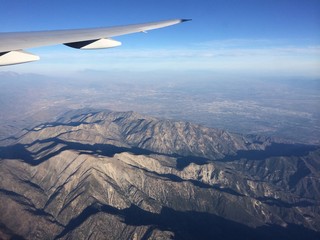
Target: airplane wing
(13, 43)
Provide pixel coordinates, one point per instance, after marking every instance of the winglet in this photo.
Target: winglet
(186, 20)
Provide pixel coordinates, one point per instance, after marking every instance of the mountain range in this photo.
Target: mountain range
(98, 174)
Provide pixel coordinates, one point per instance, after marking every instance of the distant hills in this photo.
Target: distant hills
(100, 174)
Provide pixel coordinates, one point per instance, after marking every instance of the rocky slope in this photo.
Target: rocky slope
(120, 175)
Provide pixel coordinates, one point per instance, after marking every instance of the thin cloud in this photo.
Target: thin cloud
(245, 56)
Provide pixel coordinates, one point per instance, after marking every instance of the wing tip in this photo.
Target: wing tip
(185, 20)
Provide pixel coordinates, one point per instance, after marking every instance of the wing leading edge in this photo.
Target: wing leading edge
(12, 44)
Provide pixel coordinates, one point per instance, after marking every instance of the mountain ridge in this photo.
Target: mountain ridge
(144, 175)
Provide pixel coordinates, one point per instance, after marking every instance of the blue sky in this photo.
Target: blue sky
(264, 37)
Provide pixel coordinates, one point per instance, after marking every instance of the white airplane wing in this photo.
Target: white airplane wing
(13, 43)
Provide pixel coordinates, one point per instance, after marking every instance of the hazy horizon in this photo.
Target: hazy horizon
(285, 108)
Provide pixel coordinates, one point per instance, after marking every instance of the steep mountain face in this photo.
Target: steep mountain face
(120, 175)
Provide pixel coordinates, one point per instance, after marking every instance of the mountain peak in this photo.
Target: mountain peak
(133, 130)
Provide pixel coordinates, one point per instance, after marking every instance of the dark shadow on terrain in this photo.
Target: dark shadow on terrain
(183, 162)
(192, 225)
(19, 151)
(274, 150)
(7, 231)
(29, 207)
(175, 178)
(55, 124)
(279, 203)
(16, 197)
(302, 171)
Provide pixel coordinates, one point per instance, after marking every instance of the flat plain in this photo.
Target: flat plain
(282, 108)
